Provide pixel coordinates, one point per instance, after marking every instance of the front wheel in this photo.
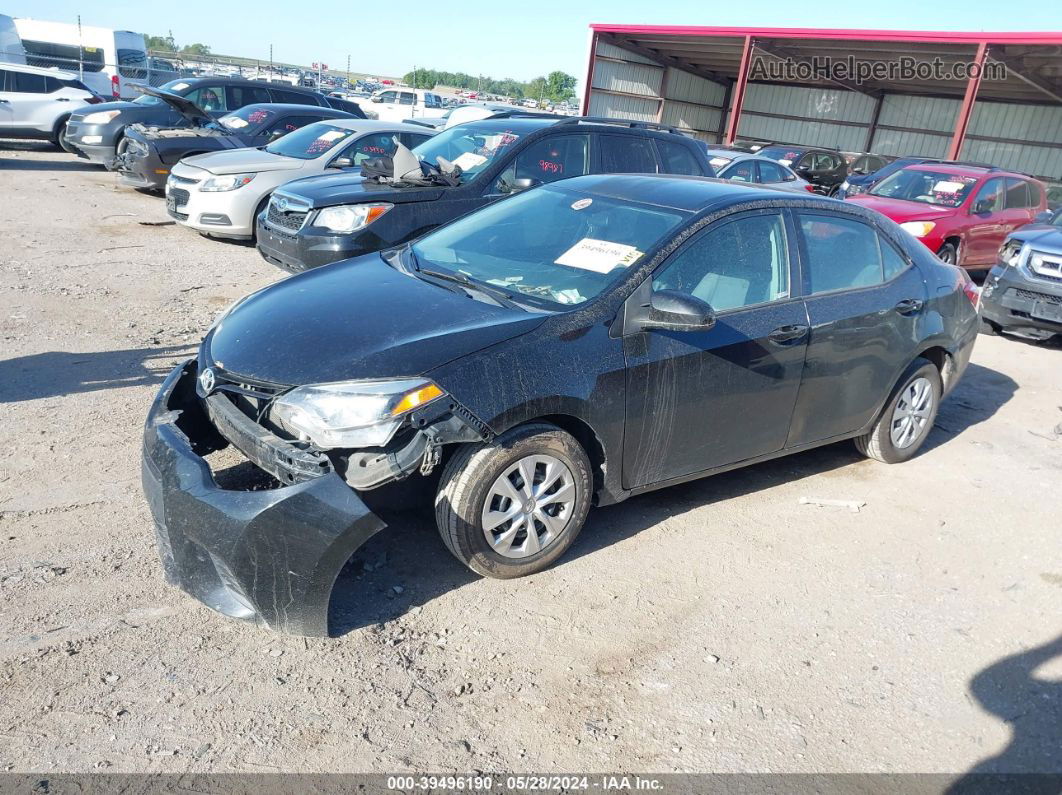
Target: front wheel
(511, 508)
(907, 419)
(949, 253)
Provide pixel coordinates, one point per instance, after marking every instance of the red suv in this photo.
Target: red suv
(961, 213)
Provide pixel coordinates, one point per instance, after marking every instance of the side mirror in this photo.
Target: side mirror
(376, 99)
(670, 310)
(342, 162)
(983, 206)
(1044, 217)
(523, 183)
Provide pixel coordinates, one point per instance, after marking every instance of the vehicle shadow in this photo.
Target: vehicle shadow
(24, 164)
(410, 555)
(1032, 707)
(57, 373)
(976, 398)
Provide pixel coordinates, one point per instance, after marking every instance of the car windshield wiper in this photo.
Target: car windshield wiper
(457, 277)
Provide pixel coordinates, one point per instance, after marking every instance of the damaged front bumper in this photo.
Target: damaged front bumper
(269, 556)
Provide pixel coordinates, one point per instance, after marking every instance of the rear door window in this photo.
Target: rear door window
(247, 95)
(676, 158)
(627, 154)
(292, 97)
(407, 98)
(1017, 194)
(841, 253)
(26, 83)
(7, 80)
(892, 261)
(772, 172)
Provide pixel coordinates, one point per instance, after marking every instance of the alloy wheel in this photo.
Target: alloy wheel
(528, 506)
(911, 414)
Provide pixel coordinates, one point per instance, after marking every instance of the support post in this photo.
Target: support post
(873, 128)
(737, 98)
(589, 86)
(966, 111)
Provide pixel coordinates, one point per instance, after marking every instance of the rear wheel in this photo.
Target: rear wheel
(949, 254)
(907, 419)
(511, 508)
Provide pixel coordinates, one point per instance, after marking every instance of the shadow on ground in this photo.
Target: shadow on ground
(56, 373)
(410, 555)
(1031, 705)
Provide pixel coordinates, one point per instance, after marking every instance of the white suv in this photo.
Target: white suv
(36, 102)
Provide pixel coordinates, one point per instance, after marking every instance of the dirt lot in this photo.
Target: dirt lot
(720, 625)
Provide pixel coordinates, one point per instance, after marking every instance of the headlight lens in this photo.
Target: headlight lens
(352, 413)
(225, 182)
(918, 228)
(1010, 253)
(350, 217)
(101, 116)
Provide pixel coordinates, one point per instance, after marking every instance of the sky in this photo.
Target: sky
(498, 38)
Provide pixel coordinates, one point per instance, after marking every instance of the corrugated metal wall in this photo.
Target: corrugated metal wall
(628, 86)
(815, 115)
(919, 119)
(1027, 137)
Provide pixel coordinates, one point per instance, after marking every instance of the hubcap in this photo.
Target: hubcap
(912, 413)
(528, 506)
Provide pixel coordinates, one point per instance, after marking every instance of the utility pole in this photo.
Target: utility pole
(348, 69)
(80, 52)
(270, 61)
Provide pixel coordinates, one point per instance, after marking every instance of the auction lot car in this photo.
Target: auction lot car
(323, 219)
(1022, 294)
(753, 169)
(541, 373)
(96, 133)
(36, 103)
(960, 212)
(146, 154)
(826, 169)
(222, 193)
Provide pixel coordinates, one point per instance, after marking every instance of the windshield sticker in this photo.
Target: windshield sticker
(946, 186)
(257, 115)
(719, 161)
(582, 204)
(331, 135)
(469, 160)
(235, 122)
(600, 256)
(786, 162)
(179, 87)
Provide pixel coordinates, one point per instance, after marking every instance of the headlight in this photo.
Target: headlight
(918, 228)
(226, 182)
(352, 413)
(1010, 253)
(100, 117)
(350, 218)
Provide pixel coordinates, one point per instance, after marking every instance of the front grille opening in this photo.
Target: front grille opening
(233, 472)
(290, 222)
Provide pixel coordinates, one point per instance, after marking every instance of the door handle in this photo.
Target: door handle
(785, 335)
(909, 306)
(62, 99)
(5, 102)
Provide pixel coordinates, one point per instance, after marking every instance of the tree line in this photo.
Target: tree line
(167, 44)
(556, 86)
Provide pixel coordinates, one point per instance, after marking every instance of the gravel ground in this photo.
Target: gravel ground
(716, 626)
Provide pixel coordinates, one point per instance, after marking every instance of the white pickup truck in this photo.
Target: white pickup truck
(396, 104)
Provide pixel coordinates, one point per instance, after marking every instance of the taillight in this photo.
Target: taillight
(115, 87)
(970, 290)
(809, 188)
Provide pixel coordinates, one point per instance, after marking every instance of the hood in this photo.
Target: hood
(356, 319)
(125, 107)
(901, 210)
(1043, 237)
(239, 161)
(344, 187)
(188, 109)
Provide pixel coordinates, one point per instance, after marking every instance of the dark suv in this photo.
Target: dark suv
(95, 133)
(826, 169)
(322, 219)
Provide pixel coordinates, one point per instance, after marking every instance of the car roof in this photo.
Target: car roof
(965, 171)
(242, 81)
(680, 192)
(373, 125)
(292, 106)
(59, 74)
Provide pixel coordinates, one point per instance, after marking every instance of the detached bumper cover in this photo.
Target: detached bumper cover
(269, 556)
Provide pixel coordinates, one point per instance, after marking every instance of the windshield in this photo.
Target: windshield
(592, 241)
(471, 146)
(927, 187)
(310, 141)
(174, 86)
(247, 117)
(782, 154)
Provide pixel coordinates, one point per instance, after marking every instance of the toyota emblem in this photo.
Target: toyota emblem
(206, 381)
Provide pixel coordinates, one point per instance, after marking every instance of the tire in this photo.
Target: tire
(254, 218)
(949, 254)
(879, 443)
(832, 192)
(58, 133)
(473, 483)
(988, 328)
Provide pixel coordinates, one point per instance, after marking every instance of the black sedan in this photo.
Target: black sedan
(665, 329)
(146, 154)
(826, 169)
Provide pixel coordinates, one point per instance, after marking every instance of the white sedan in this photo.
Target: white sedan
(221, 193)
(741, 167)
